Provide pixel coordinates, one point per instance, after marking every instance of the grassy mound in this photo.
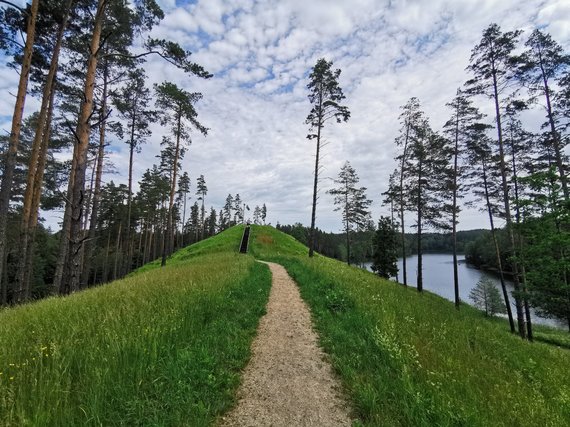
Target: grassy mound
(164, 346)
(412, 359)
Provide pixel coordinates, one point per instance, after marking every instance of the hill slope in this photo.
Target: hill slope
(166, 346)
(413, 359)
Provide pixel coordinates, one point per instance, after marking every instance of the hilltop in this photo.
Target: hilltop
(166, 346)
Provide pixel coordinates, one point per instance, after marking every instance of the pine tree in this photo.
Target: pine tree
(457, 130)
(542, 63)
(385, 253)
(353, 203)
(325, 96)
(183, 190)
(177, 107)
(491, 66)
(201, 191)
(227, 212)
(486, 297)
(411, 120)
(263, 213)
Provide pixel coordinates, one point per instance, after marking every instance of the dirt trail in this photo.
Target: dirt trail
(288, 381)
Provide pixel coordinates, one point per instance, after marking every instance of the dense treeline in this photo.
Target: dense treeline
(334, 244)
(515, 173)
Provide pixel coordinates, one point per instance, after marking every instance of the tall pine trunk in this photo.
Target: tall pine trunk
(169, 240)
(316, 180)
(128, 262)
(497, 250)
(347, 225)
(454, 211)
(74, 267)
(90, 244)
(402, 210)
(507, 206)
(519, 237)
(36, 196)
(420, 281)
(14, 140)
(36, 166)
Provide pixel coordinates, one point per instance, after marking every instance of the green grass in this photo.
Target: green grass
(164, 346)
(409, 359)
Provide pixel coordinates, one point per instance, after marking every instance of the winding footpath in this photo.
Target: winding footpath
(288, 381)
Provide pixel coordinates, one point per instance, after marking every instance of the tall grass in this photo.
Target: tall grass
(164, 346)
(412, 359)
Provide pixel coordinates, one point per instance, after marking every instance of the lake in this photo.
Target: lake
(438, 278)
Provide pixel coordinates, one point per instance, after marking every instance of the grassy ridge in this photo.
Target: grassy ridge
(413, 360)
(161, 347)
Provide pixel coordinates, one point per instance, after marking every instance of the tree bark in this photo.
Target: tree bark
(37, 161)
(36, 196)
(92, 235)
(80, 155)
(14, 140)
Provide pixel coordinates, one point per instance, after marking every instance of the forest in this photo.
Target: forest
(84, 64)
(80, 59)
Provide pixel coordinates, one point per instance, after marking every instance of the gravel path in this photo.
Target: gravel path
(288, 381)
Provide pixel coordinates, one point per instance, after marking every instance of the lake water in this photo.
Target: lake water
(438, 278)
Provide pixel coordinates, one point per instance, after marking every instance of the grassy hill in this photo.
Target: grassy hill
(412, 359)
(165, 346)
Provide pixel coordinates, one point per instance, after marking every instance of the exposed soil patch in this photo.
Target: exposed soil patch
(288, 381)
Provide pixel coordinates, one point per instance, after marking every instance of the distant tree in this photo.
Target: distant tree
(352, 201)
(491, 65)
(227, 215)
(183, 190)
(201, 191)
(385, 253)
(194, 222)
(325, 96)
(212, 222)
(237, 206)
(256, 215)
(177, 107)
(427, 183)
(263, 213)
(485, 296)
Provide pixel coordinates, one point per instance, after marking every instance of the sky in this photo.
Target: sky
(261, 53)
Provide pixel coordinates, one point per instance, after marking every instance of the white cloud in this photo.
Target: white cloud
(260, 53)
